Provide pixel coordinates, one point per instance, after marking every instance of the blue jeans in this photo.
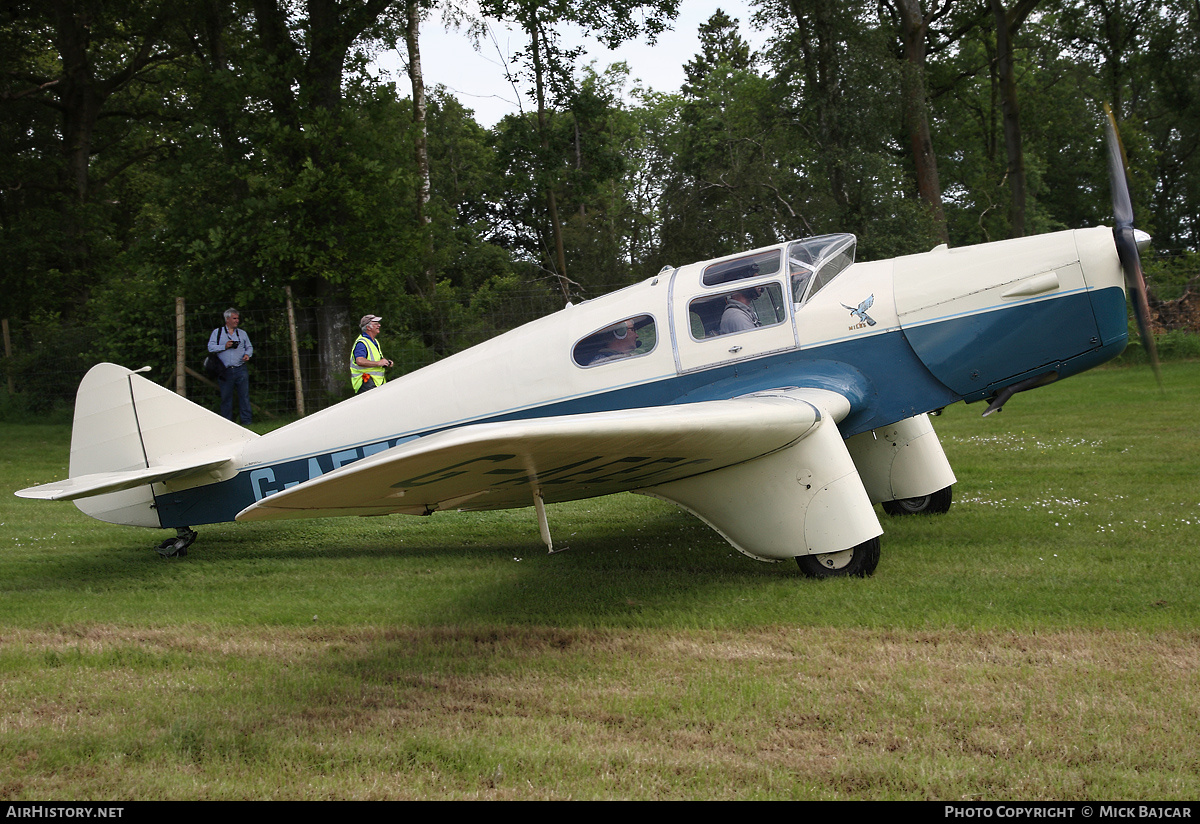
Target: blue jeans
(235, 380)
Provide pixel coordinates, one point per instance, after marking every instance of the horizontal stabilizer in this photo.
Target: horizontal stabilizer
(130, 433)
(503, 465)
(100, 483)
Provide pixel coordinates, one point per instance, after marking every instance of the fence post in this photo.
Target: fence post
(295, 352)
(8, 357)
(180, 349)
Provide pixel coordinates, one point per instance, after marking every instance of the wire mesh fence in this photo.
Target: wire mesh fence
(43, 363)
(44, 360)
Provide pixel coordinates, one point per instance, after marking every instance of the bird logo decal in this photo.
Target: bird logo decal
(861, 311)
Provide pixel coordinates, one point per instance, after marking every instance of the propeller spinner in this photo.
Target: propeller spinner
(1129, 240)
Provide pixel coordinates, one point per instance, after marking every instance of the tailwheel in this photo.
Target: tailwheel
(858, 561)
(937, 503)
(177, 547)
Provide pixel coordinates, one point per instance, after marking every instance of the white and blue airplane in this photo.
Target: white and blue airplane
(777, 394)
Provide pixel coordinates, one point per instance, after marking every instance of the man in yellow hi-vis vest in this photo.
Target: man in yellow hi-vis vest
(366, 360)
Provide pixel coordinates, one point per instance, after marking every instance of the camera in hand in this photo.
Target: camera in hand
(235, 343)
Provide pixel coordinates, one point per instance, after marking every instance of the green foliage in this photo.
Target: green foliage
(85, 95)
(451, 319)
(130, 322)
(465, 195)
(1169, 276)
(238, 148)
(721, 49)
(21, 407)
(725, 187)
(1174, 345)
(48, 354)
(515, 301)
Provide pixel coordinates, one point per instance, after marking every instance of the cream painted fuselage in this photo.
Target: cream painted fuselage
(949, 325)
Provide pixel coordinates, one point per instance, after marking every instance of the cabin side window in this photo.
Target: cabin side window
(629, 338)
(749, 266)
(742, 310)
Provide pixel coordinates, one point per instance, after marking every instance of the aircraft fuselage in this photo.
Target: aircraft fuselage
(897, 338)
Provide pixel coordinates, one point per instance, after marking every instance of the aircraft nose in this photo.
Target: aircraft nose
(1142, 239)
(1106, 282)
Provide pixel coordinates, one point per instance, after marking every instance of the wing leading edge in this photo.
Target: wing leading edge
(506, 465)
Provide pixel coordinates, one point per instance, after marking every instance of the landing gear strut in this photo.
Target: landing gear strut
(177, 547)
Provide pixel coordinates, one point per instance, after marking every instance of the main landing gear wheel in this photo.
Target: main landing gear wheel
(858, 561)
(177, 547)
(936, 504)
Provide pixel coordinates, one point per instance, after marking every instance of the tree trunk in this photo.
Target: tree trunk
(333, 27)
(823, 75)
(335, 332)
(417, 78)
(412, 29)
(1008, 23)
(535, 42)
(914, 30)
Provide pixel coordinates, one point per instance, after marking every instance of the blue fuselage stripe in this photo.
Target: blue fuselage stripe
(886, 383)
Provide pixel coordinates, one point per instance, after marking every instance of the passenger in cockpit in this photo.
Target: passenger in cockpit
(618, 343)
(739, 314)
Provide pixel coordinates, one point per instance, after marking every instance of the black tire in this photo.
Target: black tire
(859, 561)
(936, 504)
(177, 547)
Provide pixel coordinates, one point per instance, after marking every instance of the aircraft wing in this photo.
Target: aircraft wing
(505, 465)
(101, 483)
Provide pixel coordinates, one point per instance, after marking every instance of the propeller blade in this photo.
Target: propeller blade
(1126, 238)
(1117, 178)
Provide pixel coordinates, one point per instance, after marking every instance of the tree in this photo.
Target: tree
(600, 135)
(816, 36)
(549, 67)
(720, 45)
(1143, 59)
(80, 80)
(412, 31)
(915, 22)
(728, 179)
(302, 78)
(1113, 36)
(1008, 22)
(1172, 58)
(837, 75)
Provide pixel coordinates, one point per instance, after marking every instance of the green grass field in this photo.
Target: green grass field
(1040, 641)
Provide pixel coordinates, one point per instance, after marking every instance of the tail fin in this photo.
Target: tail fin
(130, 433)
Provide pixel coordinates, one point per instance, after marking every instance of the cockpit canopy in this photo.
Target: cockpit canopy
(815, 261)
(811, 264)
